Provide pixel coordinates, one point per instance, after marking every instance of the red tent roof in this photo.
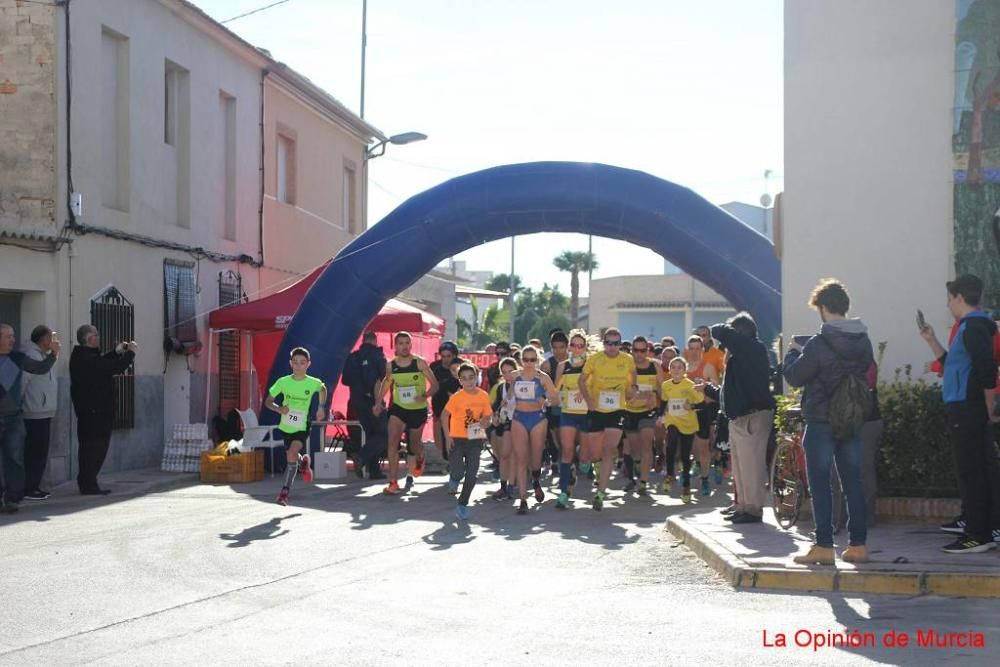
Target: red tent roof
(274, 312)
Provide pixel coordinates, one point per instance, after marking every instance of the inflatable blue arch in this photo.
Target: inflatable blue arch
(700, 238)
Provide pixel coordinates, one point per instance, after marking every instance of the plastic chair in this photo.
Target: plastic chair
(256, 436)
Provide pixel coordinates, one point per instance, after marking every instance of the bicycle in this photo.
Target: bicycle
(789, 482)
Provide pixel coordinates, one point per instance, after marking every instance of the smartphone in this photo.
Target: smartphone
(921, 322)
(802, 339)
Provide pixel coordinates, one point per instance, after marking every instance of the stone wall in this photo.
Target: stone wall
(27, 116)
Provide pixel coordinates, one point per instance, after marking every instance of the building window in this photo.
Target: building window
(286, 169)
(114, 120)
(170, 76)
(227, 104)
(350, 208)
(230, 294)
(179, 305)
(114, 317)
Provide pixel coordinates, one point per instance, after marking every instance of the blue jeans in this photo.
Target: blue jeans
(821, 451)
(12, 436)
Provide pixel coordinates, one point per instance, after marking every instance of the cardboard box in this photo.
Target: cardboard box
(233, 469)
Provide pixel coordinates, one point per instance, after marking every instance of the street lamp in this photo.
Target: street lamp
(397, 139)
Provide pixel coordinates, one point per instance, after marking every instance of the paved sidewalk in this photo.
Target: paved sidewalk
(125, 484)
(905, 558)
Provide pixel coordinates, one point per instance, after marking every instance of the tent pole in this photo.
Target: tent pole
(208, 377)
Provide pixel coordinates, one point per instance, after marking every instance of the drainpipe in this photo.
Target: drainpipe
(260, 210)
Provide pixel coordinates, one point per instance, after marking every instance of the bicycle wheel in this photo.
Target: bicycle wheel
(788, 488)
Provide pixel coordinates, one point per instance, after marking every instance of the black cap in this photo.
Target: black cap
(448, 346)
(503, 344)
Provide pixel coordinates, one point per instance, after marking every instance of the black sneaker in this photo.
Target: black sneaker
(967, 545)
(36, 495)
(8, 508)
(957, 526)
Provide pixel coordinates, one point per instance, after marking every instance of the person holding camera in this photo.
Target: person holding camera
(92, 390)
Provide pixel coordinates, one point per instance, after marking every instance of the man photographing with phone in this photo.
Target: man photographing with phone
(970, 378)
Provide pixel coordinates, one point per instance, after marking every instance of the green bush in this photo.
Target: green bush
(915, 458)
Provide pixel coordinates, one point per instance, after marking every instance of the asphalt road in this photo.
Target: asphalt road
(221, 575)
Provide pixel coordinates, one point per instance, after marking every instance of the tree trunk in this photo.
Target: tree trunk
(574, 298)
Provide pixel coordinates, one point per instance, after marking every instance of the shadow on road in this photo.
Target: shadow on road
(268, 530)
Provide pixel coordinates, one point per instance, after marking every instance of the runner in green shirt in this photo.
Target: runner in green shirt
(296, 391)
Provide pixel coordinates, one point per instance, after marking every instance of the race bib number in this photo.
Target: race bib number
(524, 391)
(646, 387)
(294, 419)
(675, 407)
(475, 432)
(574, 400)
(408, 395)
(610, 400)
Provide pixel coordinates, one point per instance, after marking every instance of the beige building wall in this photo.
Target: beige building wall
(868, 183)
(319, 208)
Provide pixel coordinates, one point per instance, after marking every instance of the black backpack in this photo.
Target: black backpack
(851, 403)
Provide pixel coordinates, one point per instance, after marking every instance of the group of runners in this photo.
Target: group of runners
(583, 410)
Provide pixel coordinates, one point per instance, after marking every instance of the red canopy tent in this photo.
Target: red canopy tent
(266, 319)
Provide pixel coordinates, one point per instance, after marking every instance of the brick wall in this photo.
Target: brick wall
(28, 119)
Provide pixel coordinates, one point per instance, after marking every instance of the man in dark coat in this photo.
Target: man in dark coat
(92, 389)
(363, 371)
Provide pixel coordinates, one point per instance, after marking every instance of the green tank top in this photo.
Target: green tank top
(409, 386)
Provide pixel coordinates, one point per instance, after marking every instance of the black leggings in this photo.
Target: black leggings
(686, 440)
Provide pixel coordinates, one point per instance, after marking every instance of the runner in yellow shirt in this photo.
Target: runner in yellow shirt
(679, 393)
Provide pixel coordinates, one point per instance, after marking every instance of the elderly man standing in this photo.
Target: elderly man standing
(12, 367)
(92, 389)
(41, 395)
(749, 405)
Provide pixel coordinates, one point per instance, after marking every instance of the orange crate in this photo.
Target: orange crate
(231, 469)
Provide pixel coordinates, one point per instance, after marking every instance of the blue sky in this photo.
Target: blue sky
(688, 90)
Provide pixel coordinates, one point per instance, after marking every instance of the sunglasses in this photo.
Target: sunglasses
(613, 343)
(578, 346)
(640, 349)
(529, 360)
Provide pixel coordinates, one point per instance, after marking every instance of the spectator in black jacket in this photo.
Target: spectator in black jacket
(363, 371)
(842, 348)
(447, 385)
(747, 402)
(92, 389)
(13, 365)
(969, 382)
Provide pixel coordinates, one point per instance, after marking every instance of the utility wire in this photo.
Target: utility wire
(259, 9)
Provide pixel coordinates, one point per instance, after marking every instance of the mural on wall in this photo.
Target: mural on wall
(976, 143)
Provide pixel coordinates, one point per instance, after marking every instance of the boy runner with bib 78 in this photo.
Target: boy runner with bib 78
(296, 391)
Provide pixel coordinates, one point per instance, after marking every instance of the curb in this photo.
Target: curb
(739, 574)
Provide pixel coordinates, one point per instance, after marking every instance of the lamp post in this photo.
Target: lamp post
(396, 139)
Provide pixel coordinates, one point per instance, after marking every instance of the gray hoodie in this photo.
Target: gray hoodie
(843, 348)
(40, 392)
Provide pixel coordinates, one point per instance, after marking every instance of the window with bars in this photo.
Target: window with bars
(230, 294)
(114, 317)
(180, 327)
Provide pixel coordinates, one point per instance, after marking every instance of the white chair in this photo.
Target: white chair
(255, 435)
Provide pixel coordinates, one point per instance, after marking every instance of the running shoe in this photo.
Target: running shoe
(539, 493)
(305, 469)
(8, 508)
(630, 487)
(282, 497)
(957, 526)
(502, 494)
(706, 490)
(418, 467)
(37, 495)
(686, 497)
(599, 500)
(562, 503)
(523, 507)
(643, 489)
(452, 487)
(968, 546)
(392, 489)
(717, 472)
(462, 512)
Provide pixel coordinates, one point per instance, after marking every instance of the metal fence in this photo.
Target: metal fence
(230, 293)
(114, 317)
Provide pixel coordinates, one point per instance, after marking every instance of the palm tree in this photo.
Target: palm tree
(575, 262)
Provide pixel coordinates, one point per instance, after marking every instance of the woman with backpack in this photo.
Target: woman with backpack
(835, 367)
